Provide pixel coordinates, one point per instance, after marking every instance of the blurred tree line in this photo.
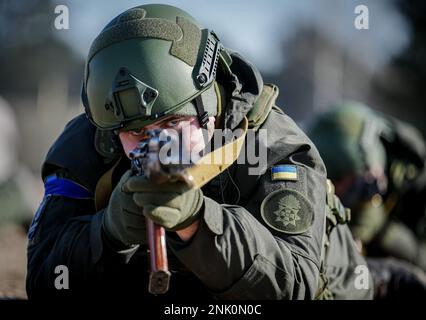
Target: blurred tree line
(319, 73)
(401, 87)
(40, 75)
(29, 51)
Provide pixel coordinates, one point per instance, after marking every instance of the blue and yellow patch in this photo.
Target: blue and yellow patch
(284, 172)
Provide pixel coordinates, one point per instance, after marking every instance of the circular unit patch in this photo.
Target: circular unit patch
(287, 211)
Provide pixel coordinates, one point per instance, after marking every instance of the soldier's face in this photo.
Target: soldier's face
(355, 189)
(188, 126)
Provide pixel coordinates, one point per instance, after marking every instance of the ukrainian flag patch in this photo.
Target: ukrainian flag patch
(284, 172)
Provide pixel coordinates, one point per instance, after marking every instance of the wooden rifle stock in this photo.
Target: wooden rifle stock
(159, 277)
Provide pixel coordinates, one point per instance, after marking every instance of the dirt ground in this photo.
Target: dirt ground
(13, 262)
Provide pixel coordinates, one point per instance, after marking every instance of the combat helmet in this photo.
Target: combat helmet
(148, 62)
(348, 139)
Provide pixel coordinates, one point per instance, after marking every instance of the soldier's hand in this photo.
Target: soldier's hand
(172, 205)
(123, 219)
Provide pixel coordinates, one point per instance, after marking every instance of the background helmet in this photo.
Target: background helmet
(148, 62)
(349, 139)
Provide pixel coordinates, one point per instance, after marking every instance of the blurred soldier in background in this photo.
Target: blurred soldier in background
(18, 198)
(377, 164)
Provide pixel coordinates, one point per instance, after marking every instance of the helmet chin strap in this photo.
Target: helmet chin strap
(203, 117)
(212, 164)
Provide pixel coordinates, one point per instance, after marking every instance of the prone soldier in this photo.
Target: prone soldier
(279, 234)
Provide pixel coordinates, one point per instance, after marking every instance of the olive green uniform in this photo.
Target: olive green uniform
(241, 250)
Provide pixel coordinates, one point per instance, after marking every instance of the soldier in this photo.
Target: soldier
(377, 164)
(241, 236)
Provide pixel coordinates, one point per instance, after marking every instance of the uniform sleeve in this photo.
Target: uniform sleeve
(67, 232)
(239, 258)
(270, 246)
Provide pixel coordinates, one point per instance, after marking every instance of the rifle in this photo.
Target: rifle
(145, 161)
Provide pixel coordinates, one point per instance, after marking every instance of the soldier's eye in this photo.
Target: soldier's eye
(172, 123)
(136, 132)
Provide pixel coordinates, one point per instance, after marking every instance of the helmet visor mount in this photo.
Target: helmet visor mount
(130, 99)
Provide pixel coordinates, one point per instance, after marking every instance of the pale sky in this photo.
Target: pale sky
(256, 27)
